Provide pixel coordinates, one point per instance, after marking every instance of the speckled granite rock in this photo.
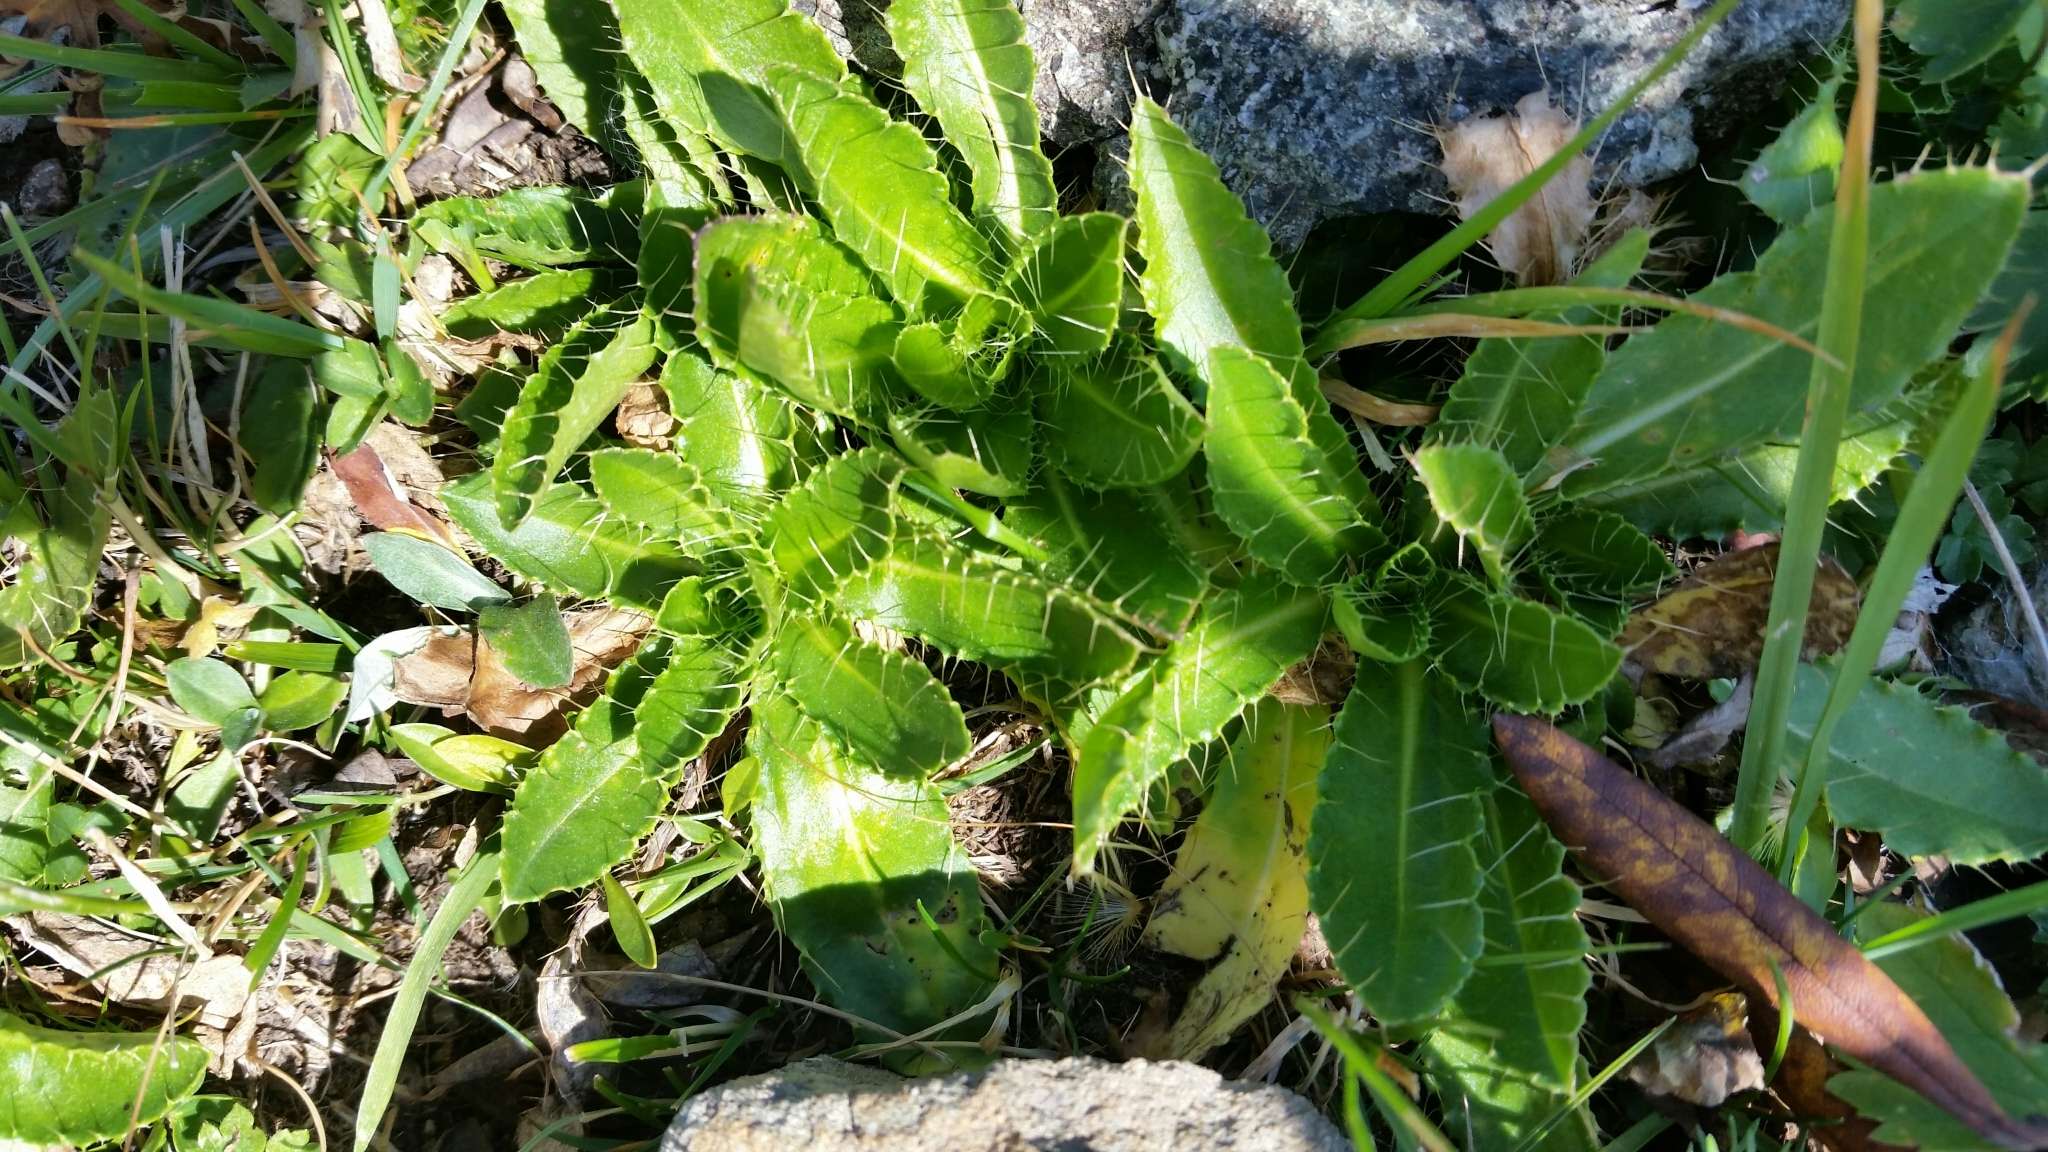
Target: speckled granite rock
(1076, 1105)
(1321, 108)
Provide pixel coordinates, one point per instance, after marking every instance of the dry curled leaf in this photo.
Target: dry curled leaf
(1712, 899)
(1712, 625)
(1706, 1058)
(380, 497)
(462, 674)
(1540, 242)
(643, 418)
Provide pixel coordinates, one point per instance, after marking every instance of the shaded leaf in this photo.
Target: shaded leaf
(1595, 553)
(838, 523)
(1956, 34)
(547, 303)
(568, 397)
(1241, 643)
(887, 708)
(567, 544)
(1716, 902)
(708, 65)
(850, 858)
(1072, 283)
(664, 494)
(531, 640)
(569, 46)
(1515, 652)
(534, 227)
(1477, 494)
(1489, 1104)
(1118, 547)
(987, 451)
(1395, 881)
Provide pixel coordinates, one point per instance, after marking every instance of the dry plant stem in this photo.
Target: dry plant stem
(151, 893)
(2035, 632)
(1827, 406)
(1391, 413)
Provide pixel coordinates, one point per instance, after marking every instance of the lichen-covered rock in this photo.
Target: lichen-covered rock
(1075, 1105)
(1322, 108)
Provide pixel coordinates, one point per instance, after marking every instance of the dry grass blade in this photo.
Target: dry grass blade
(1443, 325)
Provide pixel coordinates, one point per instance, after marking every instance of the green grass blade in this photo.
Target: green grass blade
(1841, 327)
(463, 897)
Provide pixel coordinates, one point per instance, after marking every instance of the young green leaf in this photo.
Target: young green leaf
(534, 227)
(1519, 394)
(1116, 420)
(1595, 553)
(854, 862)
(472, 761)
(1238, 895)
(74, 1088)
(568, 397)
(1795, 173)
(1491, 1103)
(298, 699)
(887, 708)
(1694, 389)
(430, 572)
(972, 607)
(987, 451)
(55, 580)
(568, 544)
(629, 927)
(1385, 616)
(1396, 879)
(579, 812)
(1957, 34)
(748, 442)
(664, 494)
(1273, 483)
(1517, 653)
(879, 185)
(967, 64)
(1118, 547)
(213, 691)
(708, 64)
(1476, 493)
(531, 639)
(1209, 279)
(545, 303)
(1243, 641)
(700, 686)
(1072, 283)
(841, 521)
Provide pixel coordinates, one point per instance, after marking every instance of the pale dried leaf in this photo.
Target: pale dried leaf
(1543, 240)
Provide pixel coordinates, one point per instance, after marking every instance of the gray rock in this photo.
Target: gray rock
(1075, 1105)
(1323, 108)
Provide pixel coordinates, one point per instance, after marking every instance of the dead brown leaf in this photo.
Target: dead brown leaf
(1705, 1058)
(1540, 242)
(82, 17)
(136, 971)
(381, 499)
(463, 675)
(1712, 625)
(643, 418)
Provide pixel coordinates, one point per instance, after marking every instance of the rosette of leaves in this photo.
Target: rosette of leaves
(923, 417)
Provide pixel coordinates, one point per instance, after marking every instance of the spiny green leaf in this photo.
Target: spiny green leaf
(969, 606)
(747, 441)
(1795, 173)
(1491, 1104)
(580, 811)
(568, 544)
(879, 184)
(1476, 493)
(1519, 395)
(1528, 994)
(1272, 481)
(1241, 643)
(987, 451)
(430, 572)
(1072, 283)
(535, 227)
(708, 63)
(1957, 34)
(1930, 778)
(678, 162)
(546, 303)
(74, 1088)
(1116, 420)
(1209, 280)
(1694, 389)
(1517, 653)
(701, 684)
(1118, 547)
(1385, 615)
(578, 383)
(968, 65)
(665, 494)
(1395, 879)
(839, 523)
(853, 859)
(888, 708)
(776, 299)
(1599, 554)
